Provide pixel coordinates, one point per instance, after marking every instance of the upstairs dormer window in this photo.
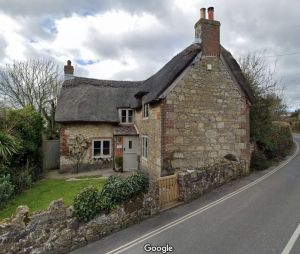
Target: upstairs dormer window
(145, 110)
(126, 116)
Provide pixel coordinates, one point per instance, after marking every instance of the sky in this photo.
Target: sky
(132, 39)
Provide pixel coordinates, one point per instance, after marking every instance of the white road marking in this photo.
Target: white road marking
(292, 241)
(200, 210)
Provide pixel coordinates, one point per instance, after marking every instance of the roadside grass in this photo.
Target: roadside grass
(39, 196)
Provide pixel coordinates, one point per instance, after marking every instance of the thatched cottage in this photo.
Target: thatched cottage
(192, 112)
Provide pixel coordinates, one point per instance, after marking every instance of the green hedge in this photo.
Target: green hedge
(86, 204)
(273, 147)
(6, 189)
(116, 191)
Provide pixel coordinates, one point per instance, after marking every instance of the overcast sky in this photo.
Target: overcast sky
(132, 39)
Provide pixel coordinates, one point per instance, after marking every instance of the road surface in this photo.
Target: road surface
(257, 214)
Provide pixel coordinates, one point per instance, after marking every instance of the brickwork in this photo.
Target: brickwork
(209, 33)
(204, 118)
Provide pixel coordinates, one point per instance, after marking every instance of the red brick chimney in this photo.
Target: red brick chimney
(207, 32)
(68, 70)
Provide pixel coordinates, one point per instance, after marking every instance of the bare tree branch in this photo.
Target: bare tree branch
(33, 82)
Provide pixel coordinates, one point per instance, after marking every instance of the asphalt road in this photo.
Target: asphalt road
(257, 214)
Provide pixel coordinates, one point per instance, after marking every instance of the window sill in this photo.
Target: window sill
(144, 159)
(102, 157)
(126, 123)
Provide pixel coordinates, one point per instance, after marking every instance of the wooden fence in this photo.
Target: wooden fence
(168, 190)
(50, 154)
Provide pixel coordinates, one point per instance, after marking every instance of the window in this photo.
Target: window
(145, 110)
(126, 116)
(145, 147)
(101, 148)
(130, 144)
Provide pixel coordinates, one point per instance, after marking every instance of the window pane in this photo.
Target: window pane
(129, 144)
(123, 116)
(130, 116)
(146, 110)
(97, 144)
(146, 147)
(97, 152)
(106, 147)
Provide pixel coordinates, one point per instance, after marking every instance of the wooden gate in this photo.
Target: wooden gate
(168, 190)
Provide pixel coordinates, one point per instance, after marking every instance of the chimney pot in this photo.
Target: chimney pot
(210, 11)
(68, 70)
(203, 13)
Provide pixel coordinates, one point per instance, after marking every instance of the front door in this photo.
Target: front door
(129, 154)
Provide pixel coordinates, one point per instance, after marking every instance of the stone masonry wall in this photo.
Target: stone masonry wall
(194, 183)
(205, 117)
(90, 131)
(150, 127)
(56, 231)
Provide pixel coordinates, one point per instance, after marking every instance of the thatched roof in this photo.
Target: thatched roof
(93, 100)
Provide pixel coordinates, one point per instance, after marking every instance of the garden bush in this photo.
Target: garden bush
(281, 141)
(6, 189)
(27, 128)
(87, 204)
(22, 179)
(273, 147)
(116, 191)
(259, 161)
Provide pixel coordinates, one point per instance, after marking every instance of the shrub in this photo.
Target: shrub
(6, 189)
(8, 146)
(259, 161)
(119, 161)
(87, 204)
(22, 179)
(273, 147)
(118, 191)
(27, 127)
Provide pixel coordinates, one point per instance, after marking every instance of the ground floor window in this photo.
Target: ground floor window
(101, 148)
(145, 147)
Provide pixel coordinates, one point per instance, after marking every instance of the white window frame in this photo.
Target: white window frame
(101, 154)
(146, 110)
(127, 115)
(145, 149)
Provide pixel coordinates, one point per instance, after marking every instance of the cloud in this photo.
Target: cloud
(3, 45)
(131, 40)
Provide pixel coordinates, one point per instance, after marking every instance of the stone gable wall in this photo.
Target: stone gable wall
(205, 117)
(90, 131)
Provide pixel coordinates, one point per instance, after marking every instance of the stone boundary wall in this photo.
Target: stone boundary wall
(57, 231)
(196, 182)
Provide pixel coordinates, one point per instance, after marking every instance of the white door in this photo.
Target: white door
(129, 153)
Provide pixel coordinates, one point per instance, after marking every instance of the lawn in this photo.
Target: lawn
(44, 191)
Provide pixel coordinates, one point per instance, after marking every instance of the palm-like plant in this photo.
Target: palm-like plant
(8, 146)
